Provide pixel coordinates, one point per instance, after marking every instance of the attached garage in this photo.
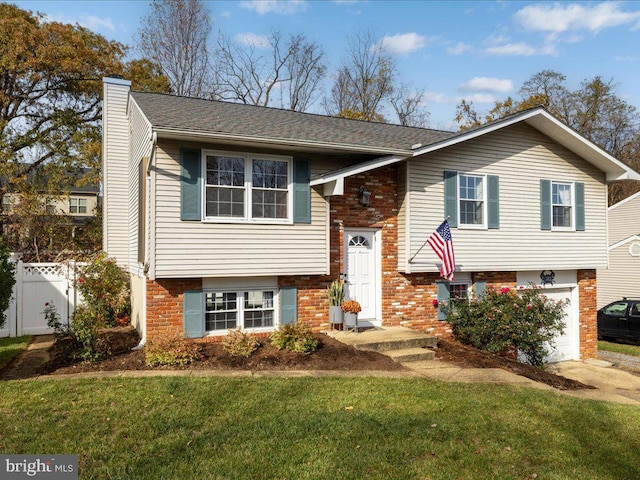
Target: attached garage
(560, 286)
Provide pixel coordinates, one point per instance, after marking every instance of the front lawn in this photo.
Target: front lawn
(620, 348)
(317, 428)
(12, 346)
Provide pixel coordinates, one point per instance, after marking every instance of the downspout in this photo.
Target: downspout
(143, 340)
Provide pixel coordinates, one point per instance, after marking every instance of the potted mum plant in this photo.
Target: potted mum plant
(351, 308)
(336, 297)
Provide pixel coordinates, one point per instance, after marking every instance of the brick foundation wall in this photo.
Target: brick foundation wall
(164, 305)
(587, 294)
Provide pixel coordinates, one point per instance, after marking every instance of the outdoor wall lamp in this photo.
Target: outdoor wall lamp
(365, 196)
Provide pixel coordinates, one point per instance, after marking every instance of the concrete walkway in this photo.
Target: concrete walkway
(612, 384)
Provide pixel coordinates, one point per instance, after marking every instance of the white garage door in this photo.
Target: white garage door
(567, 345)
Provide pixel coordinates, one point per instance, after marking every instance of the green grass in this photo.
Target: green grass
(619, 348)
(10, 347)
(317, 428)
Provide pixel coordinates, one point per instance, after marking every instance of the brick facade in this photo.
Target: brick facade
(587, 294)
(407, 299)
(164, 305)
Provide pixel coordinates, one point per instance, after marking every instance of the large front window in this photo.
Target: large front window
(472, 200)
(247, 187)
(252, 309)
(562, 201)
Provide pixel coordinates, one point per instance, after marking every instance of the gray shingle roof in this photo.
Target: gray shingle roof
(214, 117)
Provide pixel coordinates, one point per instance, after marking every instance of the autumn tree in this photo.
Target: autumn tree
(594, 110)
(409, 106)
(364, 80)
(50, 104)
(174, 35)
(278, 70)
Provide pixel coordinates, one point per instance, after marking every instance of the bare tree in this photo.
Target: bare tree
(409, 106)
(364, 81)
(174, 35)
(260, 72)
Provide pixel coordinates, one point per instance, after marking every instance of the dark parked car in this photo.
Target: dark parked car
(620, 319)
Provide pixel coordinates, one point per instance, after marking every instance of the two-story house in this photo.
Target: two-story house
(230, 215)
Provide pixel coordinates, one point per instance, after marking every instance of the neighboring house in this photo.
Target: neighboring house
(229, 215)
(622, 278)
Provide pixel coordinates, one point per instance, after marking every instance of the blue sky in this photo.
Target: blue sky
(480, 51)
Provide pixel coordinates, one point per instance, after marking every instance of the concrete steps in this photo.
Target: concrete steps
(401, 344)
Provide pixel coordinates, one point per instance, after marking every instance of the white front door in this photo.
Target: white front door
(362, 266)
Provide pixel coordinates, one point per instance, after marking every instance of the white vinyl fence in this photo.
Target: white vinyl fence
(36, 285)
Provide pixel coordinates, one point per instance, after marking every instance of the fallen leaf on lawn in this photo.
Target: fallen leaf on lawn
(348, 408)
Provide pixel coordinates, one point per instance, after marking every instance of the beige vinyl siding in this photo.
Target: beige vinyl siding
(403, 209)
(140, 147)
(621, 279)
(137, 302)
(202, 249)
(520, 156)
(115, 171)
(624, 220)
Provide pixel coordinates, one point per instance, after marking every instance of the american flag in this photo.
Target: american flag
(442, 244)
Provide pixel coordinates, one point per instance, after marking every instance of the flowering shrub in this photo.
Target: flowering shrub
(506, 320)
(351, 306)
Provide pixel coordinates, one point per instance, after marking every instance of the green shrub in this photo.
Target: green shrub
(7, 281)
(85, 329)
(240, 344)
(105, 289)
(171, 350)
(296, 337)
(506, 320)
(52, 317)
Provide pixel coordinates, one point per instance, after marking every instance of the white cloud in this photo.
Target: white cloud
(487, 84)
(280, 7)
(91, 22)
(403, 43)
(459, 48)
(252, 40)
(558, 18)
(434, 97)
(521, 49)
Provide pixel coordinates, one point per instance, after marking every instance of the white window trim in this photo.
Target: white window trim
(248, 157)
(466, 283)
(240, 309)
(78, 200)
(572, 228)
(473, 226)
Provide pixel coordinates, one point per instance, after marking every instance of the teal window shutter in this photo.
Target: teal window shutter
(443, 296)
(193, 313)
(493, 200)
(451, 197)
(479, 288)
(579, 191)
(288, 305)
(190, 185)
(545, 204)
(301, 191)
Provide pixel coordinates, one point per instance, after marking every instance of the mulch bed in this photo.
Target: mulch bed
(331, 355)
(466, 356)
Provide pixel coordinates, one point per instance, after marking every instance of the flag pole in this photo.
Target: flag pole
(425, 242)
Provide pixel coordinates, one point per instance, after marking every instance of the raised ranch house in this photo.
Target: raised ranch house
(622, 278)
(229, 215)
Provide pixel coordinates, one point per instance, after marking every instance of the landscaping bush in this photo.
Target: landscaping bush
(7, 280)
(508, 321)
(52, 317)
(105, 289)
(171, 350)
(240, 344)
(85, 329)
(296, 337)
